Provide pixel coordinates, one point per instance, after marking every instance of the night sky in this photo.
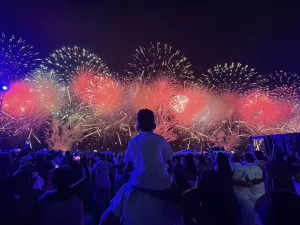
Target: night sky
(266, 37)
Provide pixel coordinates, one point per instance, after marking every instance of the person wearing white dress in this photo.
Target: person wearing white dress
(240, 176)
(258, 189)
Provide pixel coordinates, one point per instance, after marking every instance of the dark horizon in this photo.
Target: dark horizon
(265, 37)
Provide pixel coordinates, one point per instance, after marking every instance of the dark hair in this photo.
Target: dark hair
(235, 158)
(248, 157)
(259, 155)
(146, 120)
(62, 177)
(102, 156)
(224, 167)
(202, 160)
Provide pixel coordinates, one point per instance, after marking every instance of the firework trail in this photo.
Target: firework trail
(49, 93)
(103, 92)
(147, 62)
(232, 77)
(260, 109)
(22, 109)
(60, 136)
(73, 111)
(17, 58)
(281, 79)
(283, 86)
(222, 106)
(66, 62)
(189, 105)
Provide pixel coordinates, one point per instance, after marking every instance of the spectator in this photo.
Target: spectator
(102, 178)
(257, 190)
(278, 207)
(149, 153)
(279, 174)
(241, 176)
(138, 202)
(212, 202)
(63, 206)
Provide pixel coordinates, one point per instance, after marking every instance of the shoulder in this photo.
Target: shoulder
(159, 137)
(47, 196)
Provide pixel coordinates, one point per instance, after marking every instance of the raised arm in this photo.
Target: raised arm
(80, 185)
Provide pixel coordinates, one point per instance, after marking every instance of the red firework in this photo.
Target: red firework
(154, 96)
(189, 104)
(260, 108)
(223, 106)
(19, 101)
(101, 91)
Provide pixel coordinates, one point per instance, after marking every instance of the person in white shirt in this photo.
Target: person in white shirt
(149, 153)
(240, 176)
(102, 177)
(255, 173)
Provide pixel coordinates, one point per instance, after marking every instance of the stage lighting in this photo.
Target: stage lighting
(4, 88)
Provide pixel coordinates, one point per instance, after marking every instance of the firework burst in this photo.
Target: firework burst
(66, 62)
(17, 58)
(22, 109)
(281, 79)
(283, 85)
(147, 62)
(101, 91)
(232, 77)
(48, 92)
(260, 109)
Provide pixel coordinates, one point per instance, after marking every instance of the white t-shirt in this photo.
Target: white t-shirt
(240, 173)
(136, 208)
(149, 152)
(257, 190)
(102, 170)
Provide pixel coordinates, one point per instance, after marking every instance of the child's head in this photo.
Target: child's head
(145, 121)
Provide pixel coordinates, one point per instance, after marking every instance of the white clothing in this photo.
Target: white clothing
(102, 170)
(136, 208)
(241, 173)
(149, 152)
(69, 212)
(258, 190)
(260, 163)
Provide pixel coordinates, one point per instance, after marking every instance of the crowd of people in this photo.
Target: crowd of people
(148, 184)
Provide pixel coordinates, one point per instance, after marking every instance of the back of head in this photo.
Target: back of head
(235, 158)
(202, 160)
(62, 177)
(102, 156)
(224, 166)
(5, 164)
(249, 158)
(279, 208)
(259, 155)
(146, 120)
